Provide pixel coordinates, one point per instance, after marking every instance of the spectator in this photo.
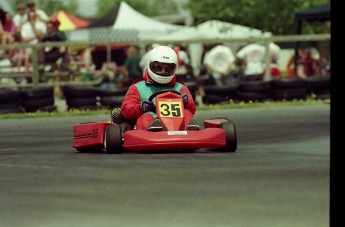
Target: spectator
(20, 18)
(132, 69)
(7, 30)
(87, 67)
(184, 67)
(109, 74)
(41, 15)
(219, 62)
(307, 66)
(32, 31)
(52, 54)
(252, 57)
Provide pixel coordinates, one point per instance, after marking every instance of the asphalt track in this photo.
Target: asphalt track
(279, 176)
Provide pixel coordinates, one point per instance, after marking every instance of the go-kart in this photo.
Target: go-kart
(121, 136)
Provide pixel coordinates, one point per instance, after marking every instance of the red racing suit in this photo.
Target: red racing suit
(142, 89)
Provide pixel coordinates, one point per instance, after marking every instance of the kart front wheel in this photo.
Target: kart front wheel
(113, 139)
(230, 135)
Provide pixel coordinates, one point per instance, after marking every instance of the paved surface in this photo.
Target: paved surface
(279, 176)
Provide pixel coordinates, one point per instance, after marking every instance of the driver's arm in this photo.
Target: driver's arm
(190, 105)
(131, 103)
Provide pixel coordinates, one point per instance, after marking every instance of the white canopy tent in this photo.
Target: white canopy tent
(146, 27)
(226, 30)
(128, 25)
(211, 30)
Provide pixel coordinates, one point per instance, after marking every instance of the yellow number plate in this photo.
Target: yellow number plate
(170, 109)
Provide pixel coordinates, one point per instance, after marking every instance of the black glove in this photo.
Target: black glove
(184, 98)
(146, 106)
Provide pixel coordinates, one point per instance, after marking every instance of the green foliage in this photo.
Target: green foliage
(276, 16)
(50, 7)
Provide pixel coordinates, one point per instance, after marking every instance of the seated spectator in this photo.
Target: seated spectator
(109, 75)
(307, 65)
(7, 29)
(10, 29)
(32, 31)
(52, 54)
(20, 18)
(41, 15)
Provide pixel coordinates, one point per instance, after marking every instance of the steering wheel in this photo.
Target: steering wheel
(160, 92)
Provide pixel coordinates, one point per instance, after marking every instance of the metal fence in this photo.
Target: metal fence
(35, 47)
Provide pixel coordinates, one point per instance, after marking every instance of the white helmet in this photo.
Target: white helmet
(162, 64)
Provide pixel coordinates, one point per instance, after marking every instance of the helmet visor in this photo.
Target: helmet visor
(162, 69)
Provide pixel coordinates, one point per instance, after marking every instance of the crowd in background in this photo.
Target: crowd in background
(220, 64)
(29, 25)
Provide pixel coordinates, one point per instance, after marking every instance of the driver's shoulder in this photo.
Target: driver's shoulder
(180, 81)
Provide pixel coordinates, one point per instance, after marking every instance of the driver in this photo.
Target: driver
(159, 75)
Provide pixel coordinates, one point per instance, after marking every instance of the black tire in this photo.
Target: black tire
(112, 101)
(9, 105)
(76, 102)
(9, 95)
(49, 108)
(37, 103)
(318, 85)
(254, 86)
(71, 91)
(113, 139)
(116, 92)
(11, 110)
(230, 135)
(91, 107)
(36, 93)
(226, 90)
(288, 83)
(289, 94)
(323, 96)
(214, 99)
(253, 96)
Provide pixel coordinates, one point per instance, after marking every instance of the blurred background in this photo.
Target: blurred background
(102, 43)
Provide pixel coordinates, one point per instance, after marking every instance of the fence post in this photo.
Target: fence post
(35, 74)
(267, 64)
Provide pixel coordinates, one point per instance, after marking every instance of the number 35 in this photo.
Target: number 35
(170, 109)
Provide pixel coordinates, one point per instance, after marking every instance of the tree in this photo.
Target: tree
(52, 6)
(276, 16)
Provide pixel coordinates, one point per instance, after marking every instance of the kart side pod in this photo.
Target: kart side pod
(89, 135)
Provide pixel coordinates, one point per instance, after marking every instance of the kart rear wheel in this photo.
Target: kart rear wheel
(230, 135)
(113, 139)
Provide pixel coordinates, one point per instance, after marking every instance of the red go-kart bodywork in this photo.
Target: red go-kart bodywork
(218, 133)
